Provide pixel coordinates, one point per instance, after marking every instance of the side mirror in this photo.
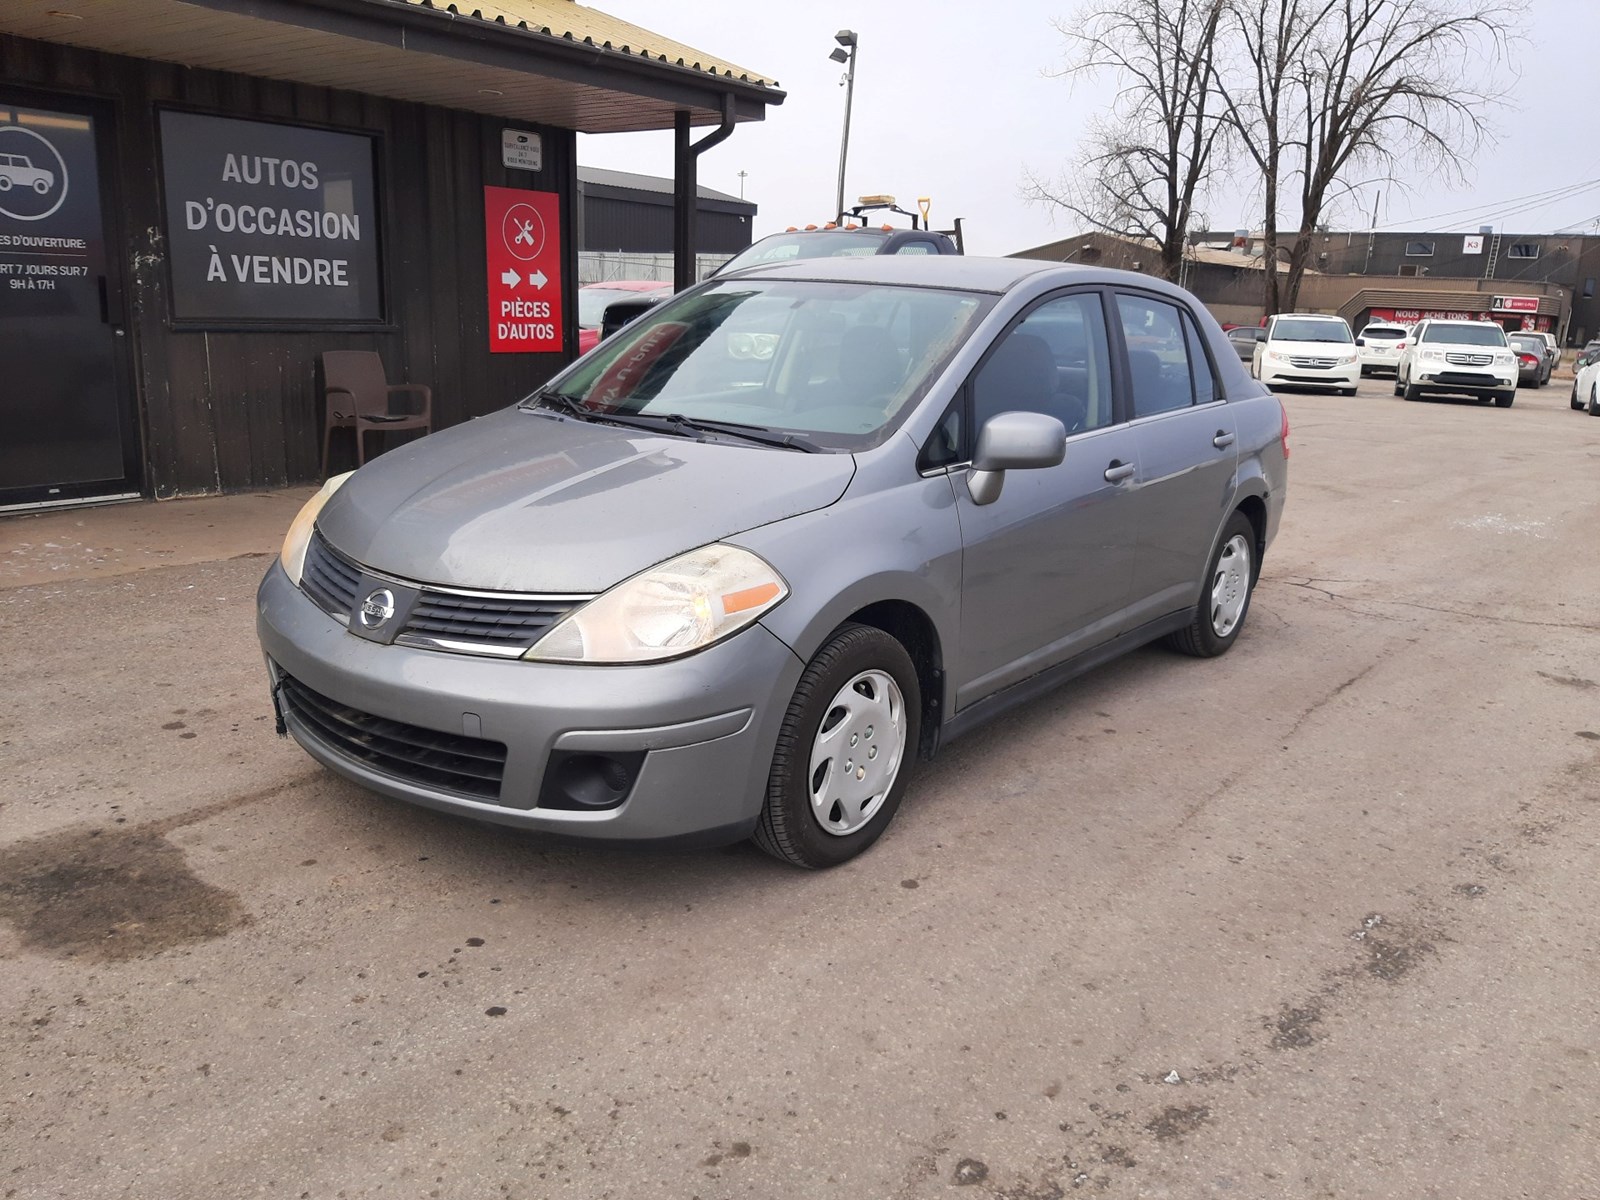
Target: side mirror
(1261, 335)
(1361, 341)
(1013, 441)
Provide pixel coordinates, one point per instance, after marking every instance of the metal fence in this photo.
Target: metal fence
(603, 266)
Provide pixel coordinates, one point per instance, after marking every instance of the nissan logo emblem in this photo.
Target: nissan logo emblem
(377, 608)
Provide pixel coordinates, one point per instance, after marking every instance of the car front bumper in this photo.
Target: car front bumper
(698, 732)
(1464, 381)
(1342, 375)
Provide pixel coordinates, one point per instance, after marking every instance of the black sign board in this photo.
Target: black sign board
(271, 223)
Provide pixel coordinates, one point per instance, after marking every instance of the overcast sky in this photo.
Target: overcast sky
(952, 101)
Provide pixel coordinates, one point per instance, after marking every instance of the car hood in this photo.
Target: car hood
(527, 502)
(1310, 349)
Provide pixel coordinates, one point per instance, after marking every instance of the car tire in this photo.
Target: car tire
(1399, 388)
(5, 184)
(1594, 401)
(1504, 399)
(1346, 391)
(859, 703)
(1577, 405)
(1412, 392)
(1224, 602)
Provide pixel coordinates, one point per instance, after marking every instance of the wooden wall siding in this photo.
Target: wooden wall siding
(237, 410)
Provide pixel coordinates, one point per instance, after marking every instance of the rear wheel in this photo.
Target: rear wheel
(841, 763)
(1594, 401)
(1225, 596)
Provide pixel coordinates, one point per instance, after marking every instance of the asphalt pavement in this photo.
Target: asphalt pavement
(1316, 919)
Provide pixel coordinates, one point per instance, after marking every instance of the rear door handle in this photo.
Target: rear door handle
(1223, 440)
(1118, 471)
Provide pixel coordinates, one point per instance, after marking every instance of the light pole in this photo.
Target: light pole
(845, 52)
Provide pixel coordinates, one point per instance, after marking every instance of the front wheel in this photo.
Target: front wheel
(1504, 399)
(1225, 598)
(843, 755)
(1412, 392)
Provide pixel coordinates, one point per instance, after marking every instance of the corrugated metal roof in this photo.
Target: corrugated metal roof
(579, 23)
(654, 184)
(554, 62)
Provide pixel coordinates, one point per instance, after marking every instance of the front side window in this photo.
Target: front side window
(1055, 361)
(840, 364)
(1158, 357)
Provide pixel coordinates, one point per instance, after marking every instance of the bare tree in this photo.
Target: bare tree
(1382, 82)
(1147, 161)
(1267, 41)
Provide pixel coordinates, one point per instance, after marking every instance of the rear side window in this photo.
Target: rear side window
(1158, 356)
(917, 248)
(1202, 375)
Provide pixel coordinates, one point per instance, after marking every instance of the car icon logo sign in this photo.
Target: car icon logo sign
(377, 608)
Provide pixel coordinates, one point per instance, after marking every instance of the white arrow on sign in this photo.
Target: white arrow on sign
(510, 278)
(538, 279)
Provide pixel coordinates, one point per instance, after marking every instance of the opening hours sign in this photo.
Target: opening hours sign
(522, 241)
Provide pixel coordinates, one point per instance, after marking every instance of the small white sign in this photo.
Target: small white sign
(521, 150)
(1472, 244)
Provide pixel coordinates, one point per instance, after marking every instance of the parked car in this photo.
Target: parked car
(854, 238)
(1378, 347)
(1463, 358)
(595, 298)
(1533, 358)
(1308, 349)
(1586, 387)
(1244, 339)
(1552, 348)
(731, 573)
(1585, 356)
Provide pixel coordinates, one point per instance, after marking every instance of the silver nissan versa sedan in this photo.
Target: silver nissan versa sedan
(733, 571)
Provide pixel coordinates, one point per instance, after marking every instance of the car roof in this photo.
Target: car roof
(956, 271)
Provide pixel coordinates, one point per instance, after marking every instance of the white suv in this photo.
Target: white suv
(1462, 358)
(1308, 348)
(1379, 345)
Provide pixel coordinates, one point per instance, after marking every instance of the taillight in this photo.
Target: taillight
(1399, 345)
(1284, 436)
(1528, 360)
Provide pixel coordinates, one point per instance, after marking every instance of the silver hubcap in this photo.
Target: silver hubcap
(857, 752)
(1230, 586)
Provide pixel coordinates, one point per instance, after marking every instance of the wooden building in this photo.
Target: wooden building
(198, 199)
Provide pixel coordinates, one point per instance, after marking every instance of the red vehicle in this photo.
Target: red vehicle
(594, 297)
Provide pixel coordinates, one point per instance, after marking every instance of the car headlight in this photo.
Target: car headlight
(683, 605)
(1505, 360)
(1347, 358)
(293, 554)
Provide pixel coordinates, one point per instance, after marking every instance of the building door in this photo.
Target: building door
(67, 428)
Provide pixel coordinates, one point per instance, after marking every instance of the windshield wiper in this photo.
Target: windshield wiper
(559, 402)
(750, 433)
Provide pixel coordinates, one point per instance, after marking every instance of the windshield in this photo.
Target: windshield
(1383, 331)
(1464, 334)
(592, 302)
(1293, 329)
(839, 364)
(787, 247)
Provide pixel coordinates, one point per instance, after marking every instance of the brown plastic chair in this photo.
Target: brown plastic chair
(359, 397)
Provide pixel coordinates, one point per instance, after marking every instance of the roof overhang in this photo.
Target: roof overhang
(551, 73)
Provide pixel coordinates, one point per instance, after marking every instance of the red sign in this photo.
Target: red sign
(1410, 316)
(1522, 304)
(522, 244)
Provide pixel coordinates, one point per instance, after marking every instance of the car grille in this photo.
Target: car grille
(329, 579)
(448, 762)
(503, 624)
(1461, 358)
(1319, 364)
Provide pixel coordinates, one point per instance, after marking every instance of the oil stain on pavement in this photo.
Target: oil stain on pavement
(110, 895)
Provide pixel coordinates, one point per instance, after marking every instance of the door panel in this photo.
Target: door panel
(1047, 567)
(65, 418)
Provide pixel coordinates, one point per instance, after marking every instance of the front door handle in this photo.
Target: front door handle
(1223, 440)
(1119, 470)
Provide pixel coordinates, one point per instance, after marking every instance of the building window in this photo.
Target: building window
(1588, 289)
(1419, 249)
(1523, 250)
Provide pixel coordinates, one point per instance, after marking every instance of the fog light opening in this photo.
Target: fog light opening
(589, 781)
